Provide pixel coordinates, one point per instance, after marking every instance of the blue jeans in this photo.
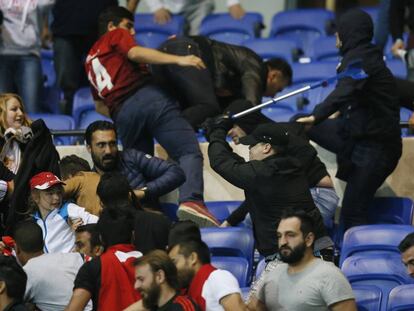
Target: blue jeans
(150, 113)
(326, 200)
(69, 55)
(22, 74)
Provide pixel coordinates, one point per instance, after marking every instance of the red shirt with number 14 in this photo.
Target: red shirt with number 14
(112, 75)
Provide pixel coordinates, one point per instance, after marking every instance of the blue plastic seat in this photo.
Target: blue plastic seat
(222, 209)
(51, 94)
(223, 27)
(405, 115)
(150, 34)
(324, 49)
(89, 116)
(57, 122)
(313, 72)
(391, 210)
(383, 270)
(303, 25)
(279, 113)
(401, 298)
(82, 101)
(238, 266)
(273, 47)
(368, 297)
(373, 239)
(233, 241)
(260, 268)
(397, 67)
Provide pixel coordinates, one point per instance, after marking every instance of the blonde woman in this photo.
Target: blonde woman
(14, 130)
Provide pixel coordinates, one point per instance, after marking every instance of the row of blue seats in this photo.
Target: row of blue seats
(303, 29)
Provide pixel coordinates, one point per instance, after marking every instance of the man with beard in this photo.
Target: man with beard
(157, 282)
(148, 176)
(211, 288)
(302, 282)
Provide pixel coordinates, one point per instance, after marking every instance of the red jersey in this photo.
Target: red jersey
(112, 75)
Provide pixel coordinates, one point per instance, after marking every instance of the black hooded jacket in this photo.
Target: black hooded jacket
(368, 106)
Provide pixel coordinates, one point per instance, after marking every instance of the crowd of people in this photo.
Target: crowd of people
(82, 238)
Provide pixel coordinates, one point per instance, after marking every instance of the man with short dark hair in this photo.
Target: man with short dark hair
(302, 282)
(157, 281)
(233, 73)
(109, 279)
(406, 248)
(149, 177)
(49, 276)
(211, 288)
(117, 70)
(12, 285)
(88, 240)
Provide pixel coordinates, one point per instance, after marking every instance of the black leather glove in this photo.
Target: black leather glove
(221, 122)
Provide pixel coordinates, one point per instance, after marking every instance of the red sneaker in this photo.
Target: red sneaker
(198, 213)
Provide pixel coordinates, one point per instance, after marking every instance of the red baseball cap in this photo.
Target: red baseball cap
(44, 180)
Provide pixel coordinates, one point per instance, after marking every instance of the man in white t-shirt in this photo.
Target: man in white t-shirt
(301, 282)
(212, 289)
(50, 277)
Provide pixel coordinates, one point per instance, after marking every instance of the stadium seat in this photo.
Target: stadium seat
(391, 210)
(313, 72)
(260, 267)
(324, 49)
(401, 298)
(405, 115)
(51, 94)
(82, 101)
(383, 270)
(279, 113)
(89, 116)
(302, 25)
(397, 67)
(223, 27)
(57, 122)
(373, 239)
(238, 266)
(233, 241)
(273, 47)
(222, 209)
(150, 34)
(368, 297)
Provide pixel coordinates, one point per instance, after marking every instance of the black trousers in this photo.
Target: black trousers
(370, 164)
(192, 87)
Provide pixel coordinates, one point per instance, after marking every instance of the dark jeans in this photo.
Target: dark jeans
(22, 74)
(372, 162)
(69, 55)
(191, 86)
(150, 113)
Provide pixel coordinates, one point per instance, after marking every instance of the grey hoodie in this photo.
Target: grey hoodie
(22, 26)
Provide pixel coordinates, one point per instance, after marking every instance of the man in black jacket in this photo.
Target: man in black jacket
(366, 135)
(233, 73)
(272, 180)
